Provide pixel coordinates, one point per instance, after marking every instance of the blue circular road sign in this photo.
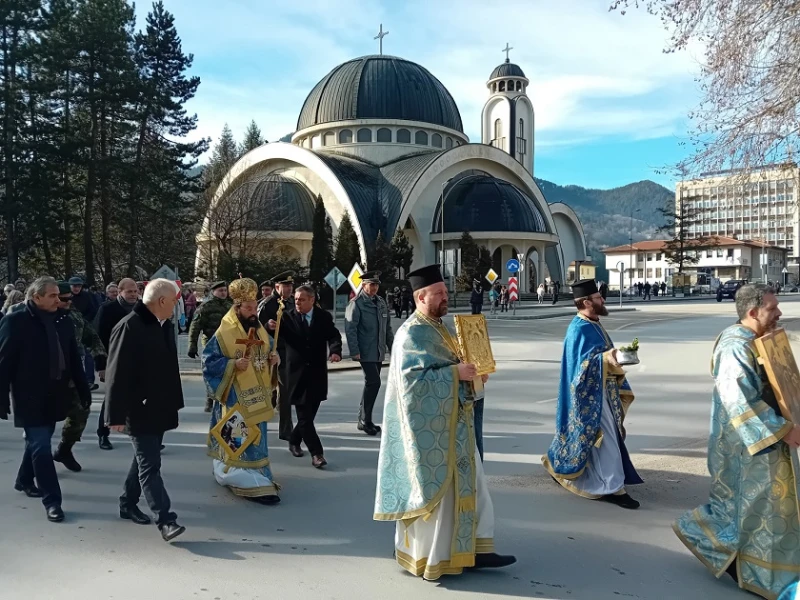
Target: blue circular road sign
(512, 266)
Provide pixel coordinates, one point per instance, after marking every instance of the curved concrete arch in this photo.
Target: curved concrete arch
(572, 246)
(258, 157)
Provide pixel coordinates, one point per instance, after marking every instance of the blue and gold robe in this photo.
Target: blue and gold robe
(590, 384)
(428, 447)
(752, 514)
(249, 474)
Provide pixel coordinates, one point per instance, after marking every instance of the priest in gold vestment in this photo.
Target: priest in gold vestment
(430, 476)
(750, 527)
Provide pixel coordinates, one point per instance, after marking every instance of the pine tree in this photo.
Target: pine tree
(348, 251)
(483, 264)
(470, 256)
(402, 253)
(252, 139)
(381, 256)
(321, 259)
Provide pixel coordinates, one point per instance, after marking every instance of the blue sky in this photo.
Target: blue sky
(611, 106)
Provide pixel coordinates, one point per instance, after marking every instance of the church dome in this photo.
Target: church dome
(380, 87)
(507, 69)
(272, 203)
(476, 201)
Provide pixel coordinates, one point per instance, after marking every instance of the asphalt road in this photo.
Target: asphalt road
(320, 541)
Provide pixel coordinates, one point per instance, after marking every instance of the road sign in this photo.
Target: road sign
(354, 278)
(491, 276)
(512, 266)
(513, 292)
(785, 270)
(335, 278)
(164, 272)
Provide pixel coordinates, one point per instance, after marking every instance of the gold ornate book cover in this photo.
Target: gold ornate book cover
(233, 433)
(775, 353)
(473, 340)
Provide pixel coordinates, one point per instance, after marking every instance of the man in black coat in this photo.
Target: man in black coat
(476, 297)
(39, 360)
(310, 336)
(268, 311)
(109, 314)
(86, 302)
(143, 398)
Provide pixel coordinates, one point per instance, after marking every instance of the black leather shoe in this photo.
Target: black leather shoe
(493, 561)
(296, 451)
(105, 443)
(318, 461)
(621, 500)
(369, 428)
(30, 490)
(55, 514)
(171, 530)
(134, 514)
(65, 457)
(266, 500)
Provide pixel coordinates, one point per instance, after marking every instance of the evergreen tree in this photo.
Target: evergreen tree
(331, 240)
(223, 157)
(470, 257)
(483, 265)
(684, 248)
(402, 253)
(348, 250)
(252, 138)
(381, 256)
(321, 259)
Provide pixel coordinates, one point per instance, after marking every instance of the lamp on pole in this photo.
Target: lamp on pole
(621, 267)
(441, 225)
(630, 239)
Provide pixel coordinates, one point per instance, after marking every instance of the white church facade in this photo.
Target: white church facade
(381, 138)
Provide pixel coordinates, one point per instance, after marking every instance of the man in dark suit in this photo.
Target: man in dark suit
(39, 361)
(311, 337)
(268, 311)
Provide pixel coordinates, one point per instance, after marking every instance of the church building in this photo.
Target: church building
(381, 138)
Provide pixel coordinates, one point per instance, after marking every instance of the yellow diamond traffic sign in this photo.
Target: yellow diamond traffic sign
(491, 276)
(354, 279)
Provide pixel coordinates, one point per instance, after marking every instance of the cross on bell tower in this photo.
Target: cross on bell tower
(507, 49)
(381, 34)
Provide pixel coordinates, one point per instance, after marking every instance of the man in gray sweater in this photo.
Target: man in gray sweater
(368, 327)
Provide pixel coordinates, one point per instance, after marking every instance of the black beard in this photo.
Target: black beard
(248, 322)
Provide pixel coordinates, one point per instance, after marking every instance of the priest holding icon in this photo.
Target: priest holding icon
(430, 475)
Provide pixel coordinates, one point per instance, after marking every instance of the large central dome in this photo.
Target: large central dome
(380, 87)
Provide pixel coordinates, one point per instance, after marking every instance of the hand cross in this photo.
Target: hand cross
(251, 341)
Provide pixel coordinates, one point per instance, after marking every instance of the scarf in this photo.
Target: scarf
(126, 306)
(56, 354)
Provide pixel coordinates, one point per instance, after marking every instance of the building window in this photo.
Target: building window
(384, 135)
(730, 252)
(658, 256)
(421, 138)
(403, 136)
(329, 139)
(498, 128)
(346, 136)
(502, 87)
(640, 258)
(658, 272)
(709, 253)
(521, 128)
(649, 273)
(640, 273)
(436, 140)
(448, 143)
(519, 86)
(650, 257)
(364, 135)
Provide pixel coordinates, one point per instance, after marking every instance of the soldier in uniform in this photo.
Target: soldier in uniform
(88, 341)
(266, 292)
(368, 327)
(268, 311)
(206, 321)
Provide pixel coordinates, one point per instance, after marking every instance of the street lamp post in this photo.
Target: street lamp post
(621, 267)
(630, 239)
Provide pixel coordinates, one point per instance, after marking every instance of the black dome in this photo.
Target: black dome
(272, 203)
(479, 202)
(507, 69)
(380, 87)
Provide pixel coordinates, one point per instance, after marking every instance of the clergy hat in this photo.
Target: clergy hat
(424, 277)
(219, 284)
(285, 277)
(584, 288)
(243, 290)
(75, 281)
(371, 277)
(267, 283)
(64, 288)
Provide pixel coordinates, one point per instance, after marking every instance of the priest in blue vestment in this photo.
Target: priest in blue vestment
(588, 455)
(750, 527)
(235, 369)
(430, 475)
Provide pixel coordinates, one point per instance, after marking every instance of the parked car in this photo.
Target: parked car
(729, 289)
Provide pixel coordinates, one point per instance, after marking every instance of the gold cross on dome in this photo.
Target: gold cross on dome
(381, 34)
(507, 49)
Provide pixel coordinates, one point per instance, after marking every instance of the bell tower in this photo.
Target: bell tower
(508, 117)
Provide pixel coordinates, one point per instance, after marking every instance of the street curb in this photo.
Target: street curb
(553, 315)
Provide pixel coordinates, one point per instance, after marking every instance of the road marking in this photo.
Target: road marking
(546, 401)
(626, 325)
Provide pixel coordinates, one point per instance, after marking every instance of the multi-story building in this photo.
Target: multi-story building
(646, 261)
(759, 204)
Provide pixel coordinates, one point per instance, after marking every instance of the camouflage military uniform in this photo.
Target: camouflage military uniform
(88, 341)
(206, 321)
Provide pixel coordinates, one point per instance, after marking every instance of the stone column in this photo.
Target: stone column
(542, 264)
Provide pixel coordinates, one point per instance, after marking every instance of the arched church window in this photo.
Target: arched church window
(519, 86)
(384, 135)
(510, 86)
(346, 136)
(421, 138)
(521, 128)
(436, 140)
(498, 129)
(329, 139)
(502, 87)
(403, 136)
(448, 143)
(364, 135)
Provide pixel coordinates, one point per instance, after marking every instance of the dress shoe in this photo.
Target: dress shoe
(621, 500)
(30, 490)
(134, 514)
(493, 561)
(266, 500)
(368, 428)
(55, 514)
(64, 455)
(105, 443)
(94, 387)
(171, 530)
(318, 461)
(296, 451)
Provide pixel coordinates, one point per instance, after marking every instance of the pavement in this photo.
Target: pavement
(321, 541)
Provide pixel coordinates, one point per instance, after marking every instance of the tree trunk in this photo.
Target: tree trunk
(65, 183)
(9, 135)
(134, 197)
(91, 186)
(105, 201)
